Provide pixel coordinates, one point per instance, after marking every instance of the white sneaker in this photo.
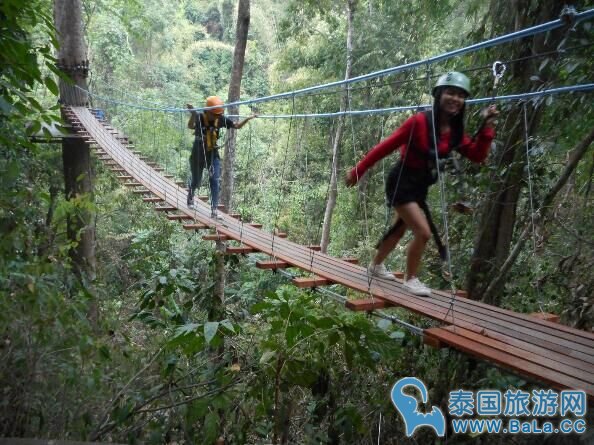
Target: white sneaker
(215, 215)
(380, 271)
(417, 288)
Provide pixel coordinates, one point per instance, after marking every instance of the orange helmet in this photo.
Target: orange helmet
(215, 101)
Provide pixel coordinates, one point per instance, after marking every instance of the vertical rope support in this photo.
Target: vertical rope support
(282, 176)
(527, 145)
(444, 215)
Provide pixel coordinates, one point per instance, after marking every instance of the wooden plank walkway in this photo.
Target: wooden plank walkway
(558, 355)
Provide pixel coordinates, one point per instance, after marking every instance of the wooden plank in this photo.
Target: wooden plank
(272, 264)
(457, 293)
(124, 177)
(546, 316)
(437, 308)
(255, 225)
(165, 208)
(241, 250)
(132, 184)
(235, 215)
(542, 358)
(308, 282)
(433, 341)
(367, 304)
(350, 259)
(142, 192)
(153, 199)
(215, 237)
(196, 226)
(178, 217)
(516, 364)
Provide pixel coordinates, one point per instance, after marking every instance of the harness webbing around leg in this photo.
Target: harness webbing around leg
(399, 222)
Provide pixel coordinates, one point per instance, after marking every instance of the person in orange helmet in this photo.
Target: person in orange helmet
(206, 126)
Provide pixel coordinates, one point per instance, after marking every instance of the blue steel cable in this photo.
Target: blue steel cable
(482, 100)
(544, 27)
(509, 97)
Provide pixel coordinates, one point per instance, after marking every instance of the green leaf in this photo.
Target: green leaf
(384, 324)
(260, 307)
(186, 329)
(228, 325)
(210, 330)
(51, 85)
(267, 356)
(211, 427)
(291, 334)
(398, 335)
(5, 107)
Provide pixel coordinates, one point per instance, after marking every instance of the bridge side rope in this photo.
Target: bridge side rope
(278, 209)
(568, 18)
(530, 193)
(243, 216)
(506, 98)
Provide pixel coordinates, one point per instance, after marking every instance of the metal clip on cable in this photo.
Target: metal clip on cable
(567, 15)
(498, 70)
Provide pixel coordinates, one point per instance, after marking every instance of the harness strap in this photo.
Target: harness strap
(443, 253)
(212, 133)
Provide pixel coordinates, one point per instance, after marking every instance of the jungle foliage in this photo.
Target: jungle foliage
(282, 365)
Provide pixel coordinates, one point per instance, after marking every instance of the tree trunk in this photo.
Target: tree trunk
(333, 191)
(499, 214)
(243, 21)
(243, 24)
(78, 174)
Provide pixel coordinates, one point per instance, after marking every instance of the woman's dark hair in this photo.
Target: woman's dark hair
(456, 123)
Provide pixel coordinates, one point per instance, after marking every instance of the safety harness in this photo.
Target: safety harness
(212, 131)
(430, 157)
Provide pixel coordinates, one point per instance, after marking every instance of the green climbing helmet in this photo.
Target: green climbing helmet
(453, 79)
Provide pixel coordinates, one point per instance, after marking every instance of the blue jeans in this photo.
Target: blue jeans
(197, 164)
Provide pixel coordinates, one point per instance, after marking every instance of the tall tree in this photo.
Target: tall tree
(333, 189)
(499, 214)
(78, 174)
(243, 24)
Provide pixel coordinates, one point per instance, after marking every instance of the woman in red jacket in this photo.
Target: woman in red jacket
(409, 180)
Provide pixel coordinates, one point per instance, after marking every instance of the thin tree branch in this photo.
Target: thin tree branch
(576, 155)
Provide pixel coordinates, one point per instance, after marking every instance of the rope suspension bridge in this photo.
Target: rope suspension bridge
(529, 345)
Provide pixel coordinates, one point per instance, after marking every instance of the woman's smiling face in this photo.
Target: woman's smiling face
(452, 100)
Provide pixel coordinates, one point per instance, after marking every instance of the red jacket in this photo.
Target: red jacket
(476, 150)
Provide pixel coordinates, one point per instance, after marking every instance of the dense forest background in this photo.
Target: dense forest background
(137, 354)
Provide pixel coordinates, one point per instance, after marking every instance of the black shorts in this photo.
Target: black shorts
(406, 184)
